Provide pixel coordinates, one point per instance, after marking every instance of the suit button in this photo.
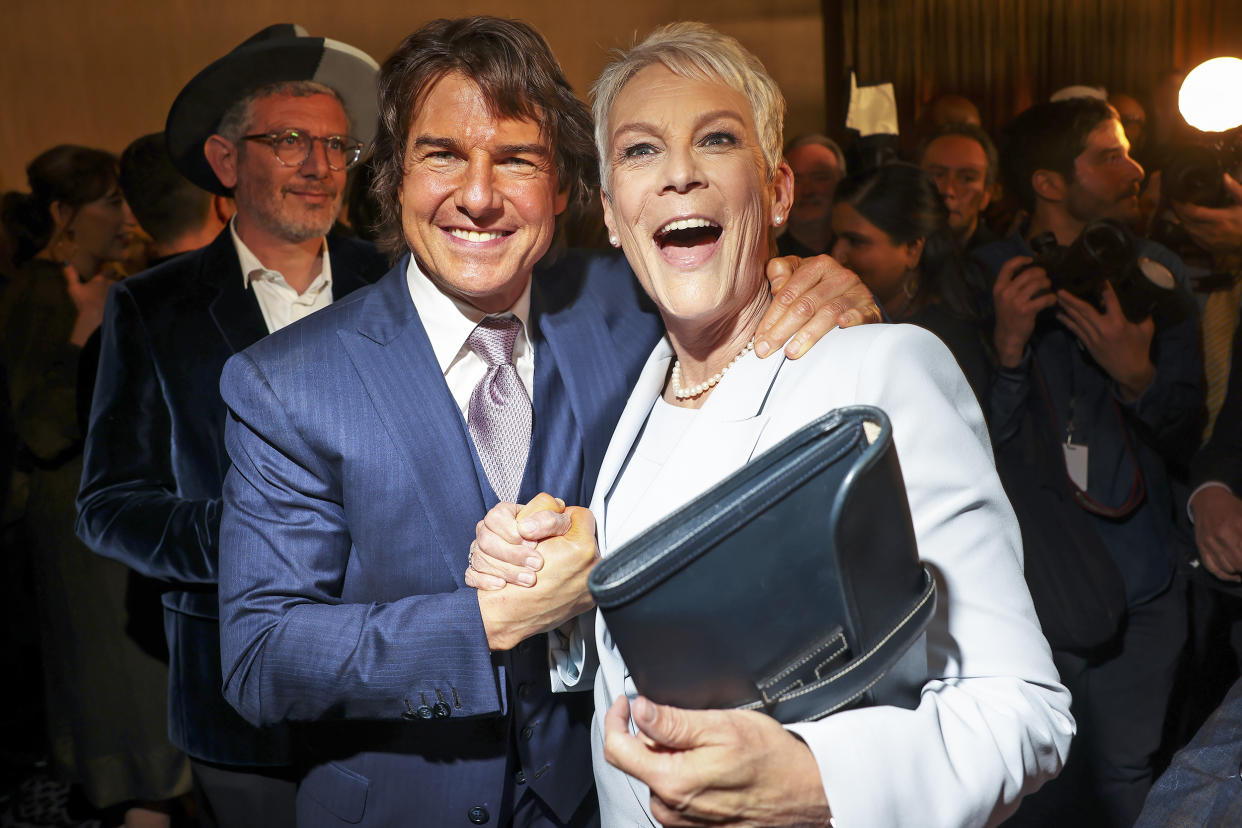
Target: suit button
(410, 716)
(520, 777)
(527, 732)
(478, 815)
(424, 712)
(441, 710)
(524, 691)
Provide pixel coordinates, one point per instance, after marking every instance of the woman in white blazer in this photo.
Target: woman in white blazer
(688, 127)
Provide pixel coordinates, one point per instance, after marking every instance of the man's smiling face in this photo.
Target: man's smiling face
(479, 195)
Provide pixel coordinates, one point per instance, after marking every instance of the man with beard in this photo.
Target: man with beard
(1099, 402)
(275, 123)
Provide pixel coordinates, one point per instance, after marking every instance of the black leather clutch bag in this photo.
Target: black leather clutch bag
(792, 587)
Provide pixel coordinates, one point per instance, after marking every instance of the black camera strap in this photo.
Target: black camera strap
(1138, 489)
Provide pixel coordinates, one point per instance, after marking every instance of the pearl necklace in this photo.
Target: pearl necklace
(709, 383)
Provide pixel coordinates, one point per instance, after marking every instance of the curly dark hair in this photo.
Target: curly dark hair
(519, 78)
(1048, 136)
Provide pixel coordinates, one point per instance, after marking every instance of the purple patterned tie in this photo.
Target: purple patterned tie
(499, 415)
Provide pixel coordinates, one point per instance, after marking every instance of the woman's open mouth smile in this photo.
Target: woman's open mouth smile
(688, 242)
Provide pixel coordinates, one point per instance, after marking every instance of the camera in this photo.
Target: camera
(1106, 251)
(1194, 173)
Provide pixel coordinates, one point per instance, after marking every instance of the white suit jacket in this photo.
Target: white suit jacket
(993, 722)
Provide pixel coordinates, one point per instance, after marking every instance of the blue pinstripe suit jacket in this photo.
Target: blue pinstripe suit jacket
(348, 516)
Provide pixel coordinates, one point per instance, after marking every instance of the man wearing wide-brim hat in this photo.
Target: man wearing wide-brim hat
(275, 123)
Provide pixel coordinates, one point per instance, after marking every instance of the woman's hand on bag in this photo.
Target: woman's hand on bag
(716, 767)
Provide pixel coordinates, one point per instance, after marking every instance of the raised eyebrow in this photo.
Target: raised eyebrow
(641, 127)
(716, 114)
(644, 127)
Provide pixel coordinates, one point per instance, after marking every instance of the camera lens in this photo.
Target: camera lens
(1194, 176)
(1107, 244)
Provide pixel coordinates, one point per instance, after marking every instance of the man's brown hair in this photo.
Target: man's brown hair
(519, 78)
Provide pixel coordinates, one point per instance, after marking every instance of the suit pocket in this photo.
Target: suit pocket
(338, 789)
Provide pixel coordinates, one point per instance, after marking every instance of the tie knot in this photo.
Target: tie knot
(493, 338)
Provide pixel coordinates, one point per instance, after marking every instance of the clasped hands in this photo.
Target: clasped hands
(545, 547)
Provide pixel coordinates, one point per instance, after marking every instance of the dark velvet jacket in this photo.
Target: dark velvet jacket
(155, 462)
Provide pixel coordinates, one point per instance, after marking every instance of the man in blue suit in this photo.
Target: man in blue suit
(357, 483)
(154, 463)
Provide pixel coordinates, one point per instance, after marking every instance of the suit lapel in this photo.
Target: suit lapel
(646, 389)
(586, 358)
(393, 357)
(354, 265)
(234, 308)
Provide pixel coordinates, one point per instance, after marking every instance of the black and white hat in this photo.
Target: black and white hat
(279, 53)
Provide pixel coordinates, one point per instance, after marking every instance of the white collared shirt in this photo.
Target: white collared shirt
(280, 303)
(449, 322)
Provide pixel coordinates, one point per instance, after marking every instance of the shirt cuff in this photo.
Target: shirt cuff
(1207, 485)
(567, 655)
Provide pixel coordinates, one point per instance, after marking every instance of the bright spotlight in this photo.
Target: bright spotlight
(1211, 95)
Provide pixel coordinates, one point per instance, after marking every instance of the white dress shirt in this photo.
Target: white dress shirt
(449, 322)
(280, 303)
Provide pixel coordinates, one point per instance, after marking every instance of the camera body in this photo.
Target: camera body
(1194, 172)
(1106, 251)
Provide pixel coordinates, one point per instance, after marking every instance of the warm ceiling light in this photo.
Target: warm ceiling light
(1211, 95)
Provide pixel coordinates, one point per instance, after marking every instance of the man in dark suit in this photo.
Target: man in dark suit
(363, 459)
(269, 124)
(1201, 785)
(1216, 474)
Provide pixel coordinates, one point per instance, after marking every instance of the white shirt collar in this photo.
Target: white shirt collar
(252, 268)
(449, 320)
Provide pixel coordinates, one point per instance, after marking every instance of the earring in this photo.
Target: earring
(614, 241)
(777, 221)
(911, 285)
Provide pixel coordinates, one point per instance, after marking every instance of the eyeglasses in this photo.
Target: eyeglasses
(293, 146)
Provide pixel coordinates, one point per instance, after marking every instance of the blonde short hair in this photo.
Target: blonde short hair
(694, 51)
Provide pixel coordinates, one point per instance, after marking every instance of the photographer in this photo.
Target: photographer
(1086, 404)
